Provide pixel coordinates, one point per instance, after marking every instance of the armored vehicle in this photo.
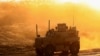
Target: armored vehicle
(62, 39)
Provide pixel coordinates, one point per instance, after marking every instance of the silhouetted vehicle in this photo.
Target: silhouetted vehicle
(63, 39)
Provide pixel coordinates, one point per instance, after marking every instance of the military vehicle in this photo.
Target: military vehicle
(62, 39)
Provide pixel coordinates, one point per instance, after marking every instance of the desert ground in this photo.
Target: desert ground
(28, 51)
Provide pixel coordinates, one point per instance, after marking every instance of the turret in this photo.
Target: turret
(62, 27)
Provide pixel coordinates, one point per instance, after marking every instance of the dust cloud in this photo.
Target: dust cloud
(17, 22)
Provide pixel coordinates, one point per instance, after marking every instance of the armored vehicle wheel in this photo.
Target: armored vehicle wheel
(74, 48)
(64, 53)
(39, 52)
(49, 50)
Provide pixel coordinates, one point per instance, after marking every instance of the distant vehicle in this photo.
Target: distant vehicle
(62, 39)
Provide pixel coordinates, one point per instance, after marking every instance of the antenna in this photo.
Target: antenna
(36, 30)
(49, 25)
(73, 17)
(73, 20)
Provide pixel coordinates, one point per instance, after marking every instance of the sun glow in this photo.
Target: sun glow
(75, 1)
(61, 1)
(65, 1)
(93, 3)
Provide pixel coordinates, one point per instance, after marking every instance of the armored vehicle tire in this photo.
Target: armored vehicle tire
(39, 52)
(74, 48)
(64, 53)
(49, 50)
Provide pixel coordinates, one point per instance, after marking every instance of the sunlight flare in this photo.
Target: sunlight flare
(93, 3)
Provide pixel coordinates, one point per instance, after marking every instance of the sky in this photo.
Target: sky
(86, 15)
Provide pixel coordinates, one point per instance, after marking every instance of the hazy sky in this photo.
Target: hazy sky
(86, 14)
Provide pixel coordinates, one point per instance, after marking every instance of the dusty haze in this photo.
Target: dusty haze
(17, 22)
